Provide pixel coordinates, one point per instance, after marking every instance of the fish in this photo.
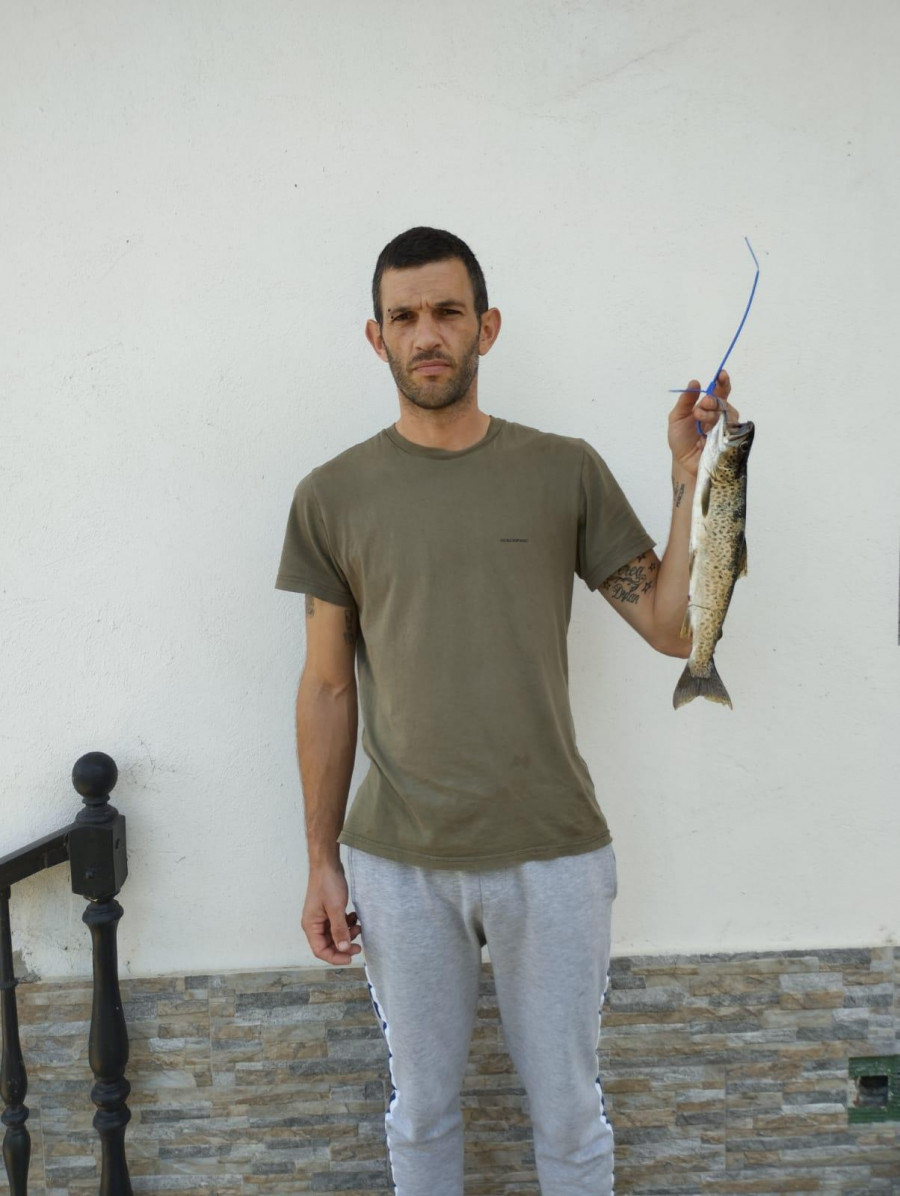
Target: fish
(718, 555)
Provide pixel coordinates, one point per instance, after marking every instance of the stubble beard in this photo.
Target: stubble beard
(437, 392)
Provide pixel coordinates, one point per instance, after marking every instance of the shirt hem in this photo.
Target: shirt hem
(300, 585)
(521, 855)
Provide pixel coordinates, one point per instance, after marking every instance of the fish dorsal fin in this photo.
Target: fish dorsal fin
(742, 560)
(705, 493)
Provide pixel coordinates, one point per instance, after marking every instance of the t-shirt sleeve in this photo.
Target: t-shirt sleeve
(609, 533)
(308, 565)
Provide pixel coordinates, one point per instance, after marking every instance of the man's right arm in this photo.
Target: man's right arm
(327, 718)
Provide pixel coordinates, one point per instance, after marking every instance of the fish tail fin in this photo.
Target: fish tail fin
(690, 687)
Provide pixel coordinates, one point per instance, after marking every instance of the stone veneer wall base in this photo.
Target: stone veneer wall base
(722, 1074)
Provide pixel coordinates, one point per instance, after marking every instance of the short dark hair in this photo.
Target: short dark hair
(419, 246)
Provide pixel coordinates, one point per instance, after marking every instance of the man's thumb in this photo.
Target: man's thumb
(691, 395)
(339, 931)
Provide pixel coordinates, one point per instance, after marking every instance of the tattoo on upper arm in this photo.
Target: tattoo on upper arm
(632, 580)
(351, 620)
(350, 625)
(677, 492)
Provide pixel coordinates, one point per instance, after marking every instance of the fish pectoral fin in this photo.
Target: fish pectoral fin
(704, 495)
(686, 624)
(742, 560)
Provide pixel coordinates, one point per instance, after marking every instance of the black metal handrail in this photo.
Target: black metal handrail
(94, 845)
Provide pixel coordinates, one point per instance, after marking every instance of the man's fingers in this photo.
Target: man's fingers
(710, 406)
(331, 933)
(331, 955)
(685, 402)
(708, 410)
(339, 930)
(721, 391)
(686, 399)
(323, 947)
(722, 387)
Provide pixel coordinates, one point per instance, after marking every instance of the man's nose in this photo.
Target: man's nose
(428, 333)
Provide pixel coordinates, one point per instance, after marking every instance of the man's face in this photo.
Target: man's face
(430, 335)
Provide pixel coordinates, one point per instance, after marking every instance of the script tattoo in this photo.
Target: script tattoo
(310, 606)
(677, 492)
(350, 625)
(632, 580)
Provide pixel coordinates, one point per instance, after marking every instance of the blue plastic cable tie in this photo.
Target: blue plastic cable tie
(711, 387)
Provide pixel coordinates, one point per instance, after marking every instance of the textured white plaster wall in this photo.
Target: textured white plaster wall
(193, 197)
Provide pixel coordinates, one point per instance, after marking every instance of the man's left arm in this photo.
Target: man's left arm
(651, 594)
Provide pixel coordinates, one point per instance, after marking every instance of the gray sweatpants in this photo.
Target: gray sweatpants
(547, 927)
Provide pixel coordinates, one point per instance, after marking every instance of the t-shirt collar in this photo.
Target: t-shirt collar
(423, 450)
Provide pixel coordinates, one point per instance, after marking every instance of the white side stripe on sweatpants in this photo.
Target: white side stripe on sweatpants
(603, 1116)
(387, 1035)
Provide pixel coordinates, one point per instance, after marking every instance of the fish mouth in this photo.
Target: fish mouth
(737, 433)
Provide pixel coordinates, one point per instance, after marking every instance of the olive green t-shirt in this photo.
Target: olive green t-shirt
(460, 564)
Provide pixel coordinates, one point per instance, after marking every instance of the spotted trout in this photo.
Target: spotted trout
(718, 555)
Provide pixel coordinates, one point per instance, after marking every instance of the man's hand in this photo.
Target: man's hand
(328, 926)
(684, 441)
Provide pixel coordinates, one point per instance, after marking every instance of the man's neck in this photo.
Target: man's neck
(447, 429)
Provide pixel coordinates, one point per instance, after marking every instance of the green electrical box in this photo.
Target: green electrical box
(876, 1080)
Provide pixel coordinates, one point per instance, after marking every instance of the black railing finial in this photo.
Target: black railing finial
(94, 777)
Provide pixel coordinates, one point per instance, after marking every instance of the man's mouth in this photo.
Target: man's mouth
(432, 367)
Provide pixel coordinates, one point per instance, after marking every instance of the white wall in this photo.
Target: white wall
(193, 197)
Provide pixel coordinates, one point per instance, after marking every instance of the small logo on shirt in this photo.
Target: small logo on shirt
(513, 539)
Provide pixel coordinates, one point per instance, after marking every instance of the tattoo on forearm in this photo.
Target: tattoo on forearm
(310, 606)
(632, 580)
(350, 625)
(677, 492)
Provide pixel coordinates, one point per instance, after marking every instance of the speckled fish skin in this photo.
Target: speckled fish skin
(718, 555)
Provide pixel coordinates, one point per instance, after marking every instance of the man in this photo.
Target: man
(438, 556)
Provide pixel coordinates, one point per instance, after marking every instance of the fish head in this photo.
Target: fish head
(731, 446)
(737, 437)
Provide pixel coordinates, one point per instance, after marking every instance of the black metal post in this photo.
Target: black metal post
(98, 860)
(108, 1049)
(13, 1079)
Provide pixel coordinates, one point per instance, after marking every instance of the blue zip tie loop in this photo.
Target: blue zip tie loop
(711, 387)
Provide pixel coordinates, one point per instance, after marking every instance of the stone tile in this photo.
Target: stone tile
(722, 1074)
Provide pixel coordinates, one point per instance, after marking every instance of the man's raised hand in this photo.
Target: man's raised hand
(692, 408)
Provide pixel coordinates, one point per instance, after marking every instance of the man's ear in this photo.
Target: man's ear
(375, 339)
(490, 330)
